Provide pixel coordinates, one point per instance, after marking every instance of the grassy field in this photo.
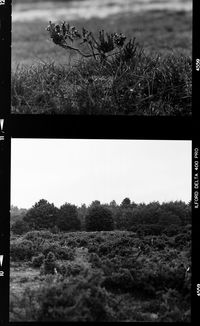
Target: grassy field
(160, 33)
(100, 276)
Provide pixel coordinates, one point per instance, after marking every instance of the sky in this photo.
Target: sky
(81, 171)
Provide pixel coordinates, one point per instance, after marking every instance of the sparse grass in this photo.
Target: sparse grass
(142, 86)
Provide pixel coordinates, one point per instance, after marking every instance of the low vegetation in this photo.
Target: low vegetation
(135, 272)
(144, 74)
(134, 85)
(111, 276)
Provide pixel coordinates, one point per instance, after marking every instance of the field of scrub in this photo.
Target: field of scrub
(100, 276)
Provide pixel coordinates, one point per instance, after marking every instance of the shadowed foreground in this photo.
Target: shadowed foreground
(140, 86)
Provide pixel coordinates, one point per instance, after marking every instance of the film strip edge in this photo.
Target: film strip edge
(5, 87)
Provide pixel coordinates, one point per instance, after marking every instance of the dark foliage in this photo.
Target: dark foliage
(68, 218)
(37, 261)
(19, 227)
(42, 215)
(79, 299)
(126, 203)
(108, 88)
(99, 219)
(60, 252)
(117, 276)
(49, 264)
(21, 250)
(148, 229)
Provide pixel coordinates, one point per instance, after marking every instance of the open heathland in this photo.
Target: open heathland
(100, 276)
(128, 262)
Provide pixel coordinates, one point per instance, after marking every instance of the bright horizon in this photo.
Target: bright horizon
(79, 171)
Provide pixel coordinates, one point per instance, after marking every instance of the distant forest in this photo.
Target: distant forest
(154, 218)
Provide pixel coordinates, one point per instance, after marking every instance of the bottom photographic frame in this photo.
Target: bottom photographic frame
(100, 230)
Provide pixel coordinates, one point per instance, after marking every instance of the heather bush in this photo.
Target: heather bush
(95, 260)
(83, 243)
(74, 269)
(65, 252)
(68, 269)
(49, 264)
(25, 307)
(34, 235)
(172, 230)
(159, 243)
(121, 281)
(182, 239)
(37, 261)
(173, 307)
(21, 250)
(78, 299)
(98, 47)
(61, 268)
(104, 249)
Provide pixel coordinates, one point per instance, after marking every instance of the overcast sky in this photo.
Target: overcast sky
(80, 171)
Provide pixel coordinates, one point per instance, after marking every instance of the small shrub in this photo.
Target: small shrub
(38, 260)
(101, 47)
(172, 230)
(104, 249)
(171, 307)
(65, 253)
(34, 235)
(95, 260)
(49, 264)
(21, 250)
(121, 281)
(182, 239)
(74, 269)
(55, 229)
(19, 227)
(25, 306)
(159, 243)
(24, 279)
(80, 299)
(61, 268)
(83, 243)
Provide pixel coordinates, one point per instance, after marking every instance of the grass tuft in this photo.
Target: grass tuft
(142, 84)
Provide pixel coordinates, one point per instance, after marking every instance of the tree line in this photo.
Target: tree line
(142, 218)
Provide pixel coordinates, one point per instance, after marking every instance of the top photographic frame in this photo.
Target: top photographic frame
(108, 58)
